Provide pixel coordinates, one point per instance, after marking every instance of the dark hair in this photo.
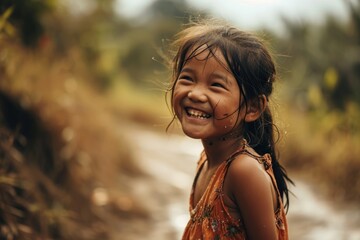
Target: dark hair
(254, 70)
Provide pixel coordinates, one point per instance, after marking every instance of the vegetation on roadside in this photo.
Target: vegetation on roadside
(320, 72)
(66, 88)
(62, 154)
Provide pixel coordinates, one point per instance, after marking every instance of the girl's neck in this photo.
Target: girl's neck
(219, 150)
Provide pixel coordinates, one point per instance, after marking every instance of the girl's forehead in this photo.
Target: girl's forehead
(205, 52)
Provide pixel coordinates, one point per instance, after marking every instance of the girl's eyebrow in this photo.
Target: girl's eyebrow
(187, 69)
(220, 76)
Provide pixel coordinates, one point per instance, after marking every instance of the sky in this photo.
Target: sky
(254, 14)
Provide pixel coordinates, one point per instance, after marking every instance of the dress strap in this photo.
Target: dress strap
(264, 159)
(201, 161)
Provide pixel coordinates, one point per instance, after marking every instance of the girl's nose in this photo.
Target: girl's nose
(197, 96)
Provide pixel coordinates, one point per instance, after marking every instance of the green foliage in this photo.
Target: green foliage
(5, 26)
(323, 63)
(139, 52)
(26, 16)
(320, 71)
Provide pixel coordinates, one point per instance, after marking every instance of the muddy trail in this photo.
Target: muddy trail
(169, 162)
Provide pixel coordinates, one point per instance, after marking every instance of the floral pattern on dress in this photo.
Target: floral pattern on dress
(210, 218)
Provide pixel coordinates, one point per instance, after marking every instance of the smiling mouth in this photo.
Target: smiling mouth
(196, 113)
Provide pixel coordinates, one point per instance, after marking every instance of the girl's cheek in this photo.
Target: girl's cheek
(175, 98)
(235, 121)
(176, 103)
(229, 120)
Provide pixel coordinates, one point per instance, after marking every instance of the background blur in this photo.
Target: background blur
(83, 148)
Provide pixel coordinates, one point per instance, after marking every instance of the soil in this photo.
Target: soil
(169, 161)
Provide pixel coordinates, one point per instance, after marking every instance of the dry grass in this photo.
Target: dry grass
(60, 163)
(145, 106)
(323, 152)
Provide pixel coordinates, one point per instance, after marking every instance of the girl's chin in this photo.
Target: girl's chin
(213, 138)
(200, 135)
(194, 135)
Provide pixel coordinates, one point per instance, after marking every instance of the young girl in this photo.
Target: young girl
(222, 79)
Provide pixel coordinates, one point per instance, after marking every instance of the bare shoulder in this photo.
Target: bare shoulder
(247, 179)
(246, 169)
(250, 188)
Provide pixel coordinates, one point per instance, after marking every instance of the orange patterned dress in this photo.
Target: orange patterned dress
(210, 219)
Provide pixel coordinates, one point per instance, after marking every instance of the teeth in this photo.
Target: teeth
(197, 114)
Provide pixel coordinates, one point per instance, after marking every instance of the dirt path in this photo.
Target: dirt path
(169, 161)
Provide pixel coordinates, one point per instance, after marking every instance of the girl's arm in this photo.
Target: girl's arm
(251, 189)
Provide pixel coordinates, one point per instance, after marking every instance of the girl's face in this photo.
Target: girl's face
(206, 96)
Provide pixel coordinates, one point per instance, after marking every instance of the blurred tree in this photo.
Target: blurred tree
(169, 9)
(5, 26)
(325, 56)
(164, 19)
(26, 17)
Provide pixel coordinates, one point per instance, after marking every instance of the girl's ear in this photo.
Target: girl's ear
(255, 108)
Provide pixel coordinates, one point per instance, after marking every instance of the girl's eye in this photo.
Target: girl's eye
(185, 77)
(218, 85)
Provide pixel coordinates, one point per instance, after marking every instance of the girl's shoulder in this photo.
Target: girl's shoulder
(247, 173)
(247, 166)
(250, 188)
